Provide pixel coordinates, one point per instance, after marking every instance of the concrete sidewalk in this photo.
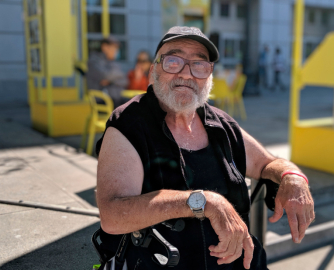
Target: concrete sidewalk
(40, 169)
(52, 173)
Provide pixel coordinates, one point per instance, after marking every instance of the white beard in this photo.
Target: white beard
(181, 100)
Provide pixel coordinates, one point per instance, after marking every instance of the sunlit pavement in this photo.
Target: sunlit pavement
(36, 168)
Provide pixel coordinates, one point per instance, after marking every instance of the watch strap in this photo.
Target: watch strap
(199, 213)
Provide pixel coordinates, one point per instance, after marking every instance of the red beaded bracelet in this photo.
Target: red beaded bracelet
(296, 173)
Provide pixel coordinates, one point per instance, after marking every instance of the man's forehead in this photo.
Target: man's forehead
(185, 46)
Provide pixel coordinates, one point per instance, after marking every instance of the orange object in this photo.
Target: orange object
(140, 84)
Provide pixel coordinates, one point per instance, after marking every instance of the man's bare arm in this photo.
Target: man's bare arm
(293, 195)
(123, 210)
(119, 182)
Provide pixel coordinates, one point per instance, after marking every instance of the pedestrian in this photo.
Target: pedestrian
(167, 155)
(138, 77)
(263, 65)
(278, 67)
(104, 73)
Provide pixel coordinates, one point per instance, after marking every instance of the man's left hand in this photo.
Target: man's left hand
(294, 196)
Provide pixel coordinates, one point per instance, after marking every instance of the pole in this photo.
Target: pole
(296, 82)
(258, 214)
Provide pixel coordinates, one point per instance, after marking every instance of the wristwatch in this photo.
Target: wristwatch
(196, 202)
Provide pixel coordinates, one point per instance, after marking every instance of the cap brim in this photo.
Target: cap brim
(213, 52)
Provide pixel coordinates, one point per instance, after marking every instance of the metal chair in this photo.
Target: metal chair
(220, 93)
(96, 121)
(235, 98)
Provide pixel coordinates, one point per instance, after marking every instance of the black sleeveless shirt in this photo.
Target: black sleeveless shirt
(142, 122)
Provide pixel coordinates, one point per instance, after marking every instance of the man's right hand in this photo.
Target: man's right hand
(231, 230)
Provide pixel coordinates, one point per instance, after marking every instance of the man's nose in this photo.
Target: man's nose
(185, 73)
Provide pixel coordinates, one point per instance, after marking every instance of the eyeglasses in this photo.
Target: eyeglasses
(173, 64)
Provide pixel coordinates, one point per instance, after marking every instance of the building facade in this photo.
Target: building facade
(270, 24)
(139, 25)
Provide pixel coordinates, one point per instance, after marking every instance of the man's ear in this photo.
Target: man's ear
(150, 78)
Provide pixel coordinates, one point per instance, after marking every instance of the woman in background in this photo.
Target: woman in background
(138, 77)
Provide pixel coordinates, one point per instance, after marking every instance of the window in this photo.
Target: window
(93, 3)
(224, 10)
(325, 17)
(122, 51)
(309, 48)
(94, 22)
(196, 21)
(117, 3)
(95, 46)
(241, 11)
(117, 24)
(229, 50)
(311, 16)
(233, 51)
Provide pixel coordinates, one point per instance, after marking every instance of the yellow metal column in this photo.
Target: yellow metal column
(49, 104)
(105, 19)
(84, 39)
(296, 68)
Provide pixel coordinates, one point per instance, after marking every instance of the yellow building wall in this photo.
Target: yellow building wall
(60, 94)
(58, 39)
(314, 147)
(68, 118)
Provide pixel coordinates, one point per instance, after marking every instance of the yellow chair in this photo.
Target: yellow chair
(236, 100)
(132, 93)
(220, 92)
(96, 121)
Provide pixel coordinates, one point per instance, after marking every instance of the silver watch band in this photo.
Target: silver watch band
(199, 214)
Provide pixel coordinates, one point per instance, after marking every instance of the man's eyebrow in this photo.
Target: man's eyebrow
(203, 56)
(175, 51)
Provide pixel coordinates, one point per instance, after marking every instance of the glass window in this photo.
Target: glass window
(94, 22)
(325, 17)
(224, 10)
(241, 50)
(229, 50)
(241, 11)
(311, 16)
(117, 3)
(94, 45)
(309, 48)
(196, 21)
(122, 51)
(117, 24)
(93, 2)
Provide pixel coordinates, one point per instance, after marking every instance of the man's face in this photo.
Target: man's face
(110, 50)
(181, 92)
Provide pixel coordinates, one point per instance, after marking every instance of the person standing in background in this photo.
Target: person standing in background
(263, 64)
(104, 73)
(138, 77)
(278, 66)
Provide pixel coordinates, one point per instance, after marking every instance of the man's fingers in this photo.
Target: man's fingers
(278, 211)
(293, 223)
(220, 248)
(249, 249)
(302, 226)
(233, 248)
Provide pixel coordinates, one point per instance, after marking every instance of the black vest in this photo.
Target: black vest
(142, 122)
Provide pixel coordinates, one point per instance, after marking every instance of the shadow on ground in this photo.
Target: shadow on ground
(89, 196)
(74, 251)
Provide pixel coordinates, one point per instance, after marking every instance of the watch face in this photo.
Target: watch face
(196, 200)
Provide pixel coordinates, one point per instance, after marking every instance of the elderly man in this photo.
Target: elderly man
(168, 154)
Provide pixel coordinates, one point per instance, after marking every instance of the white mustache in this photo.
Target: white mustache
(188, 83)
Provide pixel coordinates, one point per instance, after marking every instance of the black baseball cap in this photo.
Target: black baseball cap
(193, 33)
